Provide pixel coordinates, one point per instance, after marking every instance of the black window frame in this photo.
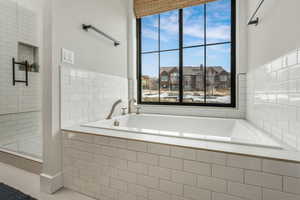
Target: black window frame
(232, 103)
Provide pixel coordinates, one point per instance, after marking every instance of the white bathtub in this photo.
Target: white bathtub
(199, 128)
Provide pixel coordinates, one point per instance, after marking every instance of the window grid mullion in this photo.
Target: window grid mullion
(205, 98)
(159, 78)
(180, 55)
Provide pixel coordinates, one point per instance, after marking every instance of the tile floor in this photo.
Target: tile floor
(20, 180)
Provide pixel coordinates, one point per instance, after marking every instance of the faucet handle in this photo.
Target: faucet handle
(138, 110)
(124, 110)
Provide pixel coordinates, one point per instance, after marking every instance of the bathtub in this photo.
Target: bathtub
(235, 131)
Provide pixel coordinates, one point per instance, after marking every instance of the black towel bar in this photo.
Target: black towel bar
(87, 27)
(255, 21)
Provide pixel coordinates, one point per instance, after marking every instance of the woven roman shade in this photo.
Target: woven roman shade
(150, 7)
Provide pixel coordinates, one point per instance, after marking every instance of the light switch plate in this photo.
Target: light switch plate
(67, 56)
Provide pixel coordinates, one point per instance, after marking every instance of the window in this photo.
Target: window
(187, 56)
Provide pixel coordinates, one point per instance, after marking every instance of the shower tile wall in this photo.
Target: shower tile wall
(274, 98)
(20, 106)
(88, 96)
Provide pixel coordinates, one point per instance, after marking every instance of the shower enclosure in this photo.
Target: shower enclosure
(21, 44)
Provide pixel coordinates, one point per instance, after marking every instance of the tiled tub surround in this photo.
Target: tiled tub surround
(111, 168)
(274, 98)
(88, 96)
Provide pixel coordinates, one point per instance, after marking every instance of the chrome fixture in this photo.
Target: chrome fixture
(113, 108)
(138, 110)
(124, 110)
(116, 123)
(130, 105)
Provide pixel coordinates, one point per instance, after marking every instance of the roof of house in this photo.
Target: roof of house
(192, 70)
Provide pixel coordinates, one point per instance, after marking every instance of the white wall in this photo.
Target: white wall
(241, 60)
(274, 70)
(63, 19)
(277, 33)
(92, 51)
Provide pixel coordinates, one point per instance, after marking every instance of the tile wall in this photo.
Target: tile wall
(109, 168)
(273, 98)
(20, 106)
(88, 96)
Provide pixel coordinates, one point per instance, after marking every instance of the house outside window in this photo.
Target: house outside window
(187, 56)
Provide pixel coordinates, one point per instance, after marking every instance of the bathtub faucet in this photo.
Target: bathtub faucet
(113, 108)
(130, 105)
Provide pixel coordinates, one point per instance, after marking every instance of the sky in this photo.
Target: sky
(218, 30)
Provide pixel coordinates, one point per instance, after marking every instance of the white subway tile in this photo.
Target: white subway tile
(117, 184)
(148, 181)
(277, 195)
(108, 192)
(197, 167)
(137, 190)
(125, 196)
(126, 154)
(228, 173)
(102, 140)
(263, 179)
(141, 198)
(244, 162)
(125, 176)
(221, 196)
(171, 187)
(82, 137)
(117, 163)
(116, 142)
(174, 197)
(159, 149)
(281, 168)
(184, 177)
(211, 183)
(291, 185)
(109, 151)
(137, 146)
(171, 163)
(277, 64)
(294, 72)
(158, 195)
(147, 158)
(211, 157)
(196, 193)
(160, 172)
(138, 168)
(184, 153)
(292, 58)
(245, 191)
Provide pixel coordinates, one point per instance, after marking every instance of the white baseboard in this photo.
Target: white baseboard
(51, 184)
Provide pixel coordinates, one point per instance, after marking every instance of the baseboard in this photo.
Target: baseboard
(51, 184)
